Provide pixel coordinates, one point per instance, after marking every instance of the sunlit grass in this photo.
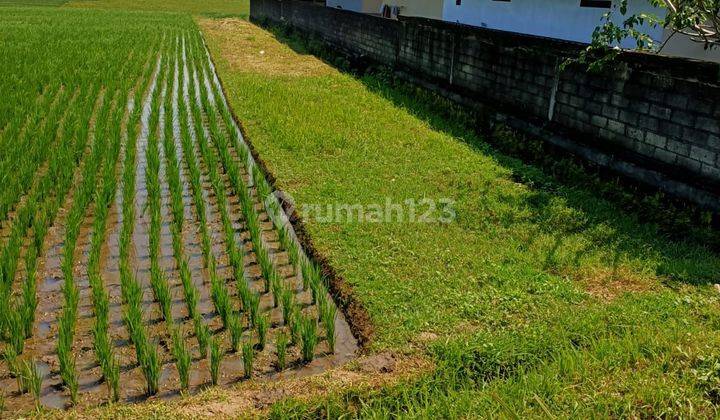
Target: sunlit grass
(525, 256)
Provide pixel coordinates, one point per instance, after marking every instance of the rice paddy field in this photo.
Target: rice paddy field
(149, 267)
(143, 252)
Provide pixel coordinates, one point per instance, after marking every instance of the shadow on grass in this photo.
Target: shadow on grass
(565, 196)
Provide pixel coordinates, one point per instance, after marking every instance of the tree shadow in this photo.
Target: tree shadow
(624, 234)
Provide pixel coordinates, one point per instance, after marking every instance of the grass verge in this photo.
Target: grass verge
(525, 282)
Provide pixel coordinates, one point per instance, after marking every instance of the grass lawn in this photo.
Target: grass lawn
(200, 7)
(32, 2)
(539, 298)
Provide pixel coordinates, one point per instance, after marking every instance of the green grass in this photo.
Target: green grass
(201, 7)
(542, 295)
(32, 2)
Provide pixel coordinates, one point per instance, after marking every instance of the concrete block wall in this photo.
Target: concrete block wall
(660, 114)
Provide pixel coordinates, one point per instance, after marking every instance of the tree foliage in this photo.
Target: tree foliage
(697, 19)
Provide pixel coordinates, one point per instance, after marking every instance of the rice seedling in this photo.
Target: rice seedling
(182, 359)
(248, 355)
(295, 325)
(288, 305)
(102, 345)
(263, 324)
(277, 287)
(189, 289)
(112, 378)
(13, 364)
(32, 379)
(236, 330)
(263, 188)
(321, 302)
(202, 334)
(69, 377)
(328, 315)
(310, 274)
(150, 365)
(281, 344)
(17, 330)
(29, 292)
(220, 297)
(254, 308)
(308, 333)
(289, 245)
(216, 355)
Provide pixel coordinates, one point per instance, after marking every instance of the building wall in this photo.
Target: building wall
(683, 46)
(362, 6)
(653, 118)
(419, 8)
(563, 19)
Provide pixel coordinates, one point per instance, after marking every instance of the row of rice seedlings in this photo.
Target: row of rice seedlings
(104, 198)
(202, 332)
(54, 187)
(102, 343)
(249, 299)
(270, 275)
(311, 273)
(218, 289)
(158, 280)
(146, 352)
(83, 197)
(192, 164)
(180, 350)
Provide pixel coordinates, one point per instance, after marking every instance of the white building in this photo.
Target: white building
(572, 20)
(362, 6)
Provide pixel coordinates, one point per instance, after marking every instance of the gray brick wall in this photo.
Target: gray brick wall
(660, 111)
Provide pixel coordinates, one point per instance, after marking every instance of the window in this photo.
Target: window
(601, 4)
